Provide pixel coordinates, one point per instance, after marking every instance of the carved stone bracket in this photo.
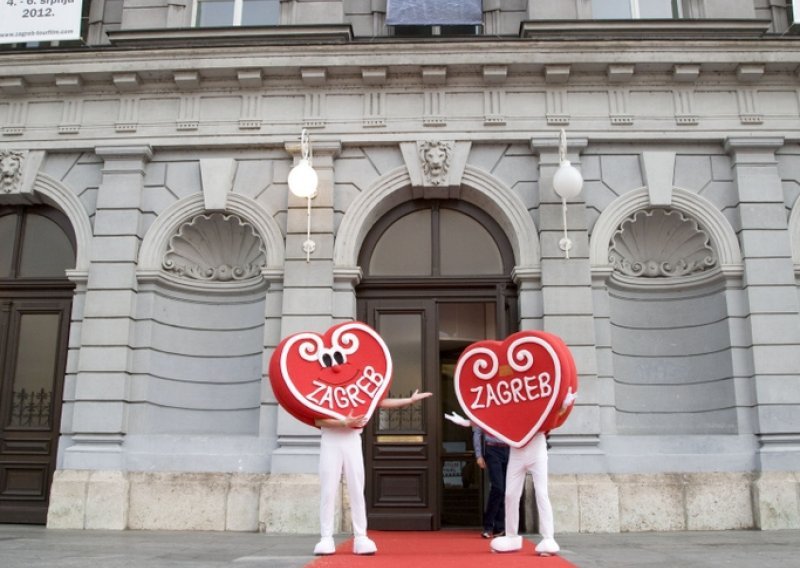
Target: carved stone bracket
(435, 166)
(18, 170)
(216, 175)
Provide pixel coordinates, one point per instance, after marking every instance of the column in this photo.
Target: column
(308, 295)
(770, 291)
(106, 335)
(568, 308)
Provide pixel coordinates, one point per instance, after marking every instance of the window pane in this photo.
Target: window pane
(611, 9)
(404, 249)
(46, 250)
(261, 13)
(403, 334)
(8, 225)
(413, 31)
(458, 30)
(467, 248)
(461, 324)
(211, 13)
(656, 9)
(35, 368)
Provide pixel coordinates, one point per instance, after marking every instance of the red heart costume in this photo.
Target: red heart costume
(343, 373)
(347, 370)
(516, 387)
(519, 389)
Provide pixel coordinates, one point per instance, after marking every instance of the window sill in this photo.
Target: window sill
(644, 29)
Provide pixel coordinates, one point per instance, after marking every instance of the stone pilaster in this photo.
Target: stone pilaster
(103, 362)
(567, 304)
(308, 295)
(771, 291)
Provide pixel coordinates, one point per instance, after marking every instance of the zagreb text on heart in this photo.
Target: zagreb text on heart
(343, 397)
(518, 389)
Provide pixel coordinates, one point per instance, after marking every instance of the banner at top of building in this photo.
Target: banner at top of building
(434, 12)
(23, 21)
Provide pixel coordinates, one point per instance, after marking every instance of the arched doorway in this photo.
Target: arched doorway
(437, 277)
(37, 245)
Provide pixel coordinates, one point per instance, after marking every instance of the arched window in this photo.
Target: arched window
(35, 242)
(436, 239)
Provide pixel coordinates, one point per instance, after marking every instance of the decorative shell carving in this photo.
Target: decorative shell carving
(215, 247)
(661, 243)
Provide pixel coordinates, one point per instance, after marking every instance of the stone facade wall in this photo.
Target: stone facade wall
(592, 503)
(689, 390)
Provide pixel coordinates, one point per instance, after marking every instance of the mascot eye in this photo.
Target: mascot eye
(326, 360)
(338, 357)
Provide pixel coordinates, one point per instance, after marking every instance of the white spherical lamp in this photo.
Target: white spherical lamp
(567, 182)
(303, 179)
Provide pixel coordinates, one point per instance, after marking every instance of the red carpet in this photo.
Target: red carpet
(441, 549)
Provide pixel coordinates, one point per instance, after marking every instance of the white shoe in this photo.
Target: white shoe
(547, 547)
(325, 546)
(364, 545)
(507, 543)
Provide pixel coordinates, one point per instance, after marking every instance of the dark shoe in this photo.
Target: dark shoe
(486, 534)
(501, 533)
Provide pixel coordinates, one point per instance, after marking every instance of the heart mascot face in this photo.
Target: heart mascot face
(345, 371)
(516, 387)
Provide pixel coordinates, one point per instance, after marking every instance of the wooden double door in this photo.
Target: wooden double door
(37, 246)
(420, 468)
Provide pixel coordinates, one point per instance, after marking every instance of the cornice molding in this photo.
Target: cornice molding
(138, 58)
(244, 35)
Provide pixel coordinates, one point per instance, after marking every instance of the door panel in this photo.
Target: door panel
(421, 471)
(34, 333)
(462, 481)
(399, 449)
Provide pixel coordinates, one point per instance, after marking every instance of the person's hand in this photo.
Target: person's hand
(351, 421)
(569, 400)
(481, 463)
(420, 395)
(457, 419)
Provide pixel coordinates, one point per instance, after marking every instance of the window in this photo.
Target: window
(420, 18)
(429, 31)
(435, 238)
(221, 13)
(627, 9)
(35, 242)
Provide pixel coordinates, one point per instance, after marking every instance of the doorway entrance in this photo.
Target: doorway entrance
(429, 300)
(36, 247)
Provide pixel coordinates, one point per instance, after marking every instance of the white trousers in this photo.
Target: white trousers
(340, 448)
(530, 458)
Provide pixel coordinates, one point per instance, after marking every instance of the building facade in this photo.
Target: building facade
(152, 257)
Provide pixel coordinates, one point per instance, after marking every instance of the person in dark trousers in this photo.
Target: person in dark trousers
(492, 456)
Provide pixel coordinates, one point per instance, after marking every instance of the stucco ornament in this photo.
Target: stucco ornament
(435, 157)
(661, 243)
(10, 171)
(215, 247)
